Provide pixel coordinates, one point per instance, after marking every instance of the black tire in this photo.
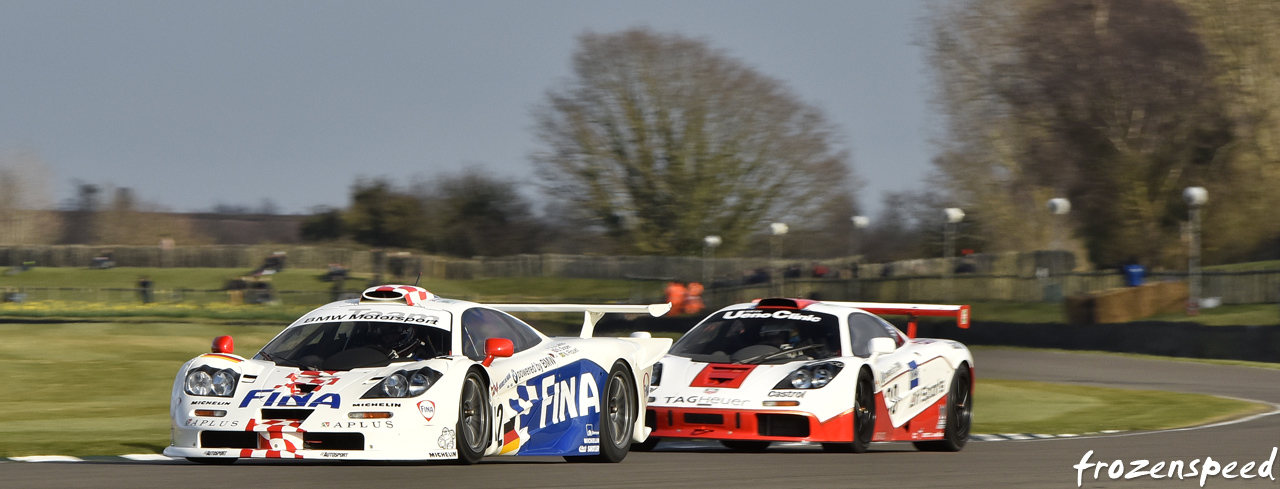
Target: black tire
(618, 409)
(212, 461)
(864, 417)
(474, 420)
(959, 415)
(752, 446)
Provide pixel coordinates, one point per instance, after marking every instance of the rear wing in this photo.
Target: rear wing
(961, 313)
(591, 313)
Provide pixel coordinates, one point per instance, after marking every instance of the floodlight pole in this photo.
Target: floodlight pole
(953, 216)
(1195, 197)
(709, 245)
(855, 250)
(778, 229)
(1059, 207)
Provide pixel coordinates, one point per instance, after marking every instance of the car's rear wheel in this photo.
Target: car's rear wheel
(864, 417)
(212, 461)
(473, 420)
(746, 445)
(618, 408)
(959, 415)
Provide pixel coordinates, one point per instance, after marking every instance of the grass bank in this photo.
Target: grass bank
(1016, 406)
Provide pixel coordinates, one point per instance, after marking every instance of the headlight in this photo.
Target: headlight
(208, 381)
(801, 379)
(657, 373)
(199, 383)
(812, 376)
(224, 382)
(822, 375)
(418, 384)
(404, 383)
(395, 385)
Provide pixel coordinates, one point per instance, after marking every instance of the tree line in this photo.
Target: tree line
(1117, 105)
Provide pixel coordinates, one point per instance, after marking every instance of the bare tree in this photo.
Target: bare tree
(662, 140)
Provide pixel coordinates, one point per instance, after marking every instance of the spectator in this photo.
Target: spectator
(1133, 273)
(235, 290)
(144, 289)
(103, 260)
(792, 271)
(820, 270)
(676, 293)
(693, 302)
(757, 276)
(337, 273)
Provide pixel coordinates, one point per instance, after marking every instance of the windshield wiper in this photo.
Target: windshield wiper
(770, 356)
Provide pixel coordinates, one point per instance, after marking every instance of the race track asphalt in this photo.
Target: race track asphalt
(1032, 463)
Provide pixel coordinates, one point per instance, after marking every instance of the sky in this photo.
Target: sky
(193, 103)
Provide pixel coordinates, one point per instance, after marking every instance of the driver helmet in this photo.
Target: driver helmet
(397, 338)
(776, 335)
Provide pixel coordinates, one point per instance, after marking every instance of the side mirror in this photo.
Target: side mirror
(880, 346)
(223, 344)
(497, 347)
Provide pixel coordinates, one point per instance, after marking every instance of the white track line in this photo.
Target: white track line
(148, 457)
(46, 458)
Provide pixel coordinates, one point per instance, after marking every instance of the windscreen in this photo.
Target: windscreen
(761, 336)
(344, 345)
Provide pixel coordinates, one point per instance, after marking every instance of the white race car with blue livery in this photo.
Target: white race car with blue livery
(796, 370)
(400, 374)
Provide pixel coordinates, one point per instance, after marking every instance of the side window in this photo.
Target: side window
(893, 332)
(480, 324)
(525, 337)
(864, 327)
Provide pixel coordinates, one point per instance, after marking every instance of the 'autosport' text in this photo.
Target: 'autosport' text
(1208, 467)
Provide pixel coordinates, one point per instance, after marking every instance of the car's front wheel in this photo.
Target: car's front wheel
(959, 415)
(864, 417)
(473, 420)
(618, 408)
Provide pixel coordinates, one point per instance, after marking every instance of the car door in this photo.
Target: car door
(480, 324)
(892, 370)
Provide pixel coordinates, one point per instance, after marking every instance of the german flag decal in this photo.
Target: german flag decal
(510, 439)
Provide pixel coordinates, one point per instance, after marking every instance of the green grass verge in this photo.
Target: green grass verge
(1245, 267)
(98, 388)
(1016, 406)
(1234, 315)
(1049, 312)
(102, 388)
(165, 278)
(308, 280)
(1210, 361)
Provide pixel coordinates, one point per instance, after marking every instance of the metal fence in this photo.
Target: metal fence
(1252, 287)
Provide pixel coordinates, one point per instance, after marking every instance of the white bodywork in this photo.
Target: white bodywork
(911, 382)
(545, 393)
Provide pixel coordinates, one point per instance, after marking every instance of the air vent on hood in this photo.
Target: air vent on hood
(396, 294)
(722, 375)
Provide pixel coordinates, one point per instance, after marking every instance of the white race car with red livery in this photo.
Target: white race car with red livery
(400, 374)
(795, 370)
